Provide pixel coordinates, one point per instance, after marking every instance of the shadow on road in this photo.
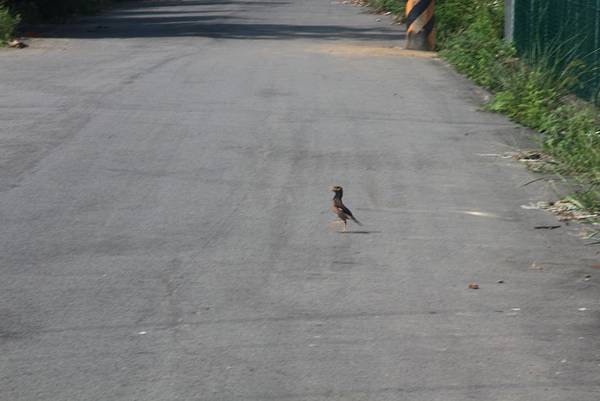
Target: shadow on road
(224, 19)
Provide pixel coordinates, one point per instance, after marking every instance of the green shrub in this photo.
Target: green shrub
(8, 23)
(396, 7)
(526, 95)
(456, 16)
(478, 52)
(531, 91)
(573, 135)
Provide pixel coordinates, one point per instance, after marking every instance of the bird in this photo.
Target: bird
(338, 207)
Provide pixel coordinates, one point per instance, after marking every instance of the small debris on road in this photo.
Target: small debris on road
(500, 281)
(535, 156)
(528, 155)
(547, 227)
(356, 3)
(474, 286)
(17, 44)
(515, 309)
(534, 266)
(535, 160)
(535, 206)
(587, 277)
(142, 333)
(568, 209)
(565, 209)
(536, 180)
(582, 309)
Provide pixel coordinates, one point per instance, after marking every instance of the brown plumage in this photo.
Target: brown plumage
(339, 208)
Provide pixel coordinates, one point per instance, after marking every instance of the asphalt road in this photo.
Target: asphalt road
(164, 174)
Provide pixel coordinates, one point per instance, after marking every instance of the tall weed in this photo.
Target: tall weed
(478, 52)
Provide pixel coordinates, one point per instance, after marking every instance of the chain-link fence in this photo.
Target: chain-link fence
(563, 30)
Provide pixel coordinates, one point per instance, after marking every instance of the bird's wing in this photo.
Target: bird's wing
(344, 209)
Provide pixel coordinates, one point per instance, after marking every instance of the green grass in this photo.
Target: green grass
(8, 24)
(396, 7)
(477, 52)
(453, 17)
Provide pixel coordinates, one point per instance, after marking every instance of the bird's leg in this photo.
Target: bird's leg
(335, 224)
(345, 225)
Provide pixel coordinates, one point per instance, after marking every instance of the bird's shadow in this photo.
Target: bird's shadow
(359, 232)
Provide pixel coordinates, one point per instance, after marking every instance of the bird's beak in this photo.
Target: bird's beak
(332, 189)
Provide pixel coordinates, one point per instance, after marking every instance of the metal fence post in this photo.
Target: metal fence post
(509, 20)
(420, 32)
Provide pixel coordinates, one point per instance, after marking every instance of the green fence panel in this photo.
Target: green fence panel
(560, 27)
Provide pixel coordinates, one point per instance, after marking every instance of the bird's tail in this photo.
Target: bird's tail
(356, 221)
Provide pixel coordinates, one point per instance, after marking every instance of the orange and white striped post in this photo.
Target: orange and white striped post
(420, 24)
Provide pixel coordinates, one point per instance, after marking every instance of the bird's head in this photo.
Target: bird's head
(337, 189)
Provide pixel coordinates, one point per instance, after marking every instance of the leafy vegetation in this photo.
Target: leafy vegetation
(478, 50)
(8, 23)
(455, 16)
(396, 7)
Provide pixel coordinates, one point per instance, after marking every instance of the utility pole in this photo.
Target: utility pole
(420, 29)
